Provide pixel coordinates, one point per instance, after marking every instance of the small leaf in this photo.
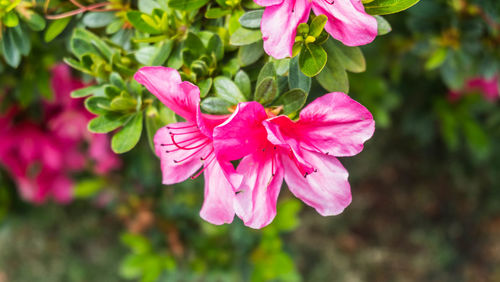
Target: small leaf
(334, 78)
(55, 28)
(351, 58)
(312, 59)
(436, 59)
(11, 19)
(9, 49)
(106, 123)
(296, 79)
(97, 105)
(266, 91)
(242, 80)
(34, 20)
(215, 13)
(251, 19)
(129, 136)
(384, 7)
(135, 18)
(21, 40)
(317, 25)
(383, 26)
(186, 5)
(226, 89)
(205, 86)
(249, 54)
(292, 101)
(243, 36)
(98, 19)
(215, 105)
(84, 92)
(268, 70)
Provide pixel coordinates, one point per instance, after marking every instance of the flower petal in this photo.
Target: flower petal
(165, 83)
(266, 3)
(182, 152)
(333, 124)
(242, 133)
(327, 190)
(219, 194)
(347, 21)
(257, 196)
(279, 26)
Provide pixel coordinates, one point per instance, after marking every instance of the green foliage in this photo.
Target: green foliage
(384, 7)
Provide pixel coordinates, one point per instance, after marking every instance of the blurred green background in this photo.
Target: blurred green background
(426, 189)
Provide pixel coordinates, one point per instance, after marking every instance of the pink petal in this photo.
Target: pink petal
(333, 124)
(279, 26)
(179, 164)
(242, 133)
(165, 83)
(327, 190)
(347, 21)
(219, 194)
(207, 123)
(257, 196)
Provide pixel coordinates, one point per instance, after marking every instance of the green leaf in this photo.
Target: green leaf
(351, 58)
(154, 55)
(153, 123)
(88, 188)
(317, 25)
(226, 89)
(205, 86)
(135, 18)
(266, 91)
(106, 123)
(194, 44)
(215, 105)
(296, 79)
(242, 80)
(312, 59)
(129, 136)
(186, 5)
(123, 104)
(383, 26)
(333, 77)
(251, 19)
(437, 58)
(9, 49)
(292, 100)
(268, 70)
(249, 54)
(55, 28)
(215, 13)
(11, 19)
(21, 40)
(34, 20)
(216, 47)
(384, 7)
(97, 105)
(84, 92)
(98, 19)
(243, 36)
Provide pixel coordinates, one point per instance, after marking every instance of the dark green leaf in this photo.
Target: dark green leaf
(292, 101)
(226, 89)
(106, 123)
(9, 49)
(98, 19)
(267, 70)
(296, 79)
(34, 20)
(249, 54)
(21, 40)
(187, 5)
(214, 13)
(266, 91)
(205, 87)
(97, 105)
(215, 105)
(242, 80)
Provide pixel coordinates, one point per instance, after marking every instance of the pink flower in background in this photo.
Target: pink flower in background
(488, 87)
(185, 147)
(302, 152)
(41, 157)
(347, 22)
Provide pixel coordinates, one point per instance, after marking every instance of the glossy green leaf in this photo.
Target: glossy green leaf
(243, 36)
(384, 7)
(84, 92)
(242, 80)
(129, 135)
(135, 18)
(215, 105)
(312, 59)
(266, 91)
(317, 25)
(10, 51)
(55, 28)
(226, 89)
(296, 79)
(292, 100)
(106, 123)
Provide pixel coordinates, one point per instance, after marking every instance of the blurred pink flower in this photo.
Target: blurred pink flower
(488, 87)
(302, 152)
(184, 147)
(41, 157)
(347, 22)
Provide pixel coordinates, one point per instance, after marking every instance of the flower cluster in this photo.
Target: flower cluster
(41, 156)
(488, 87)
(347, 22)
(270, 148)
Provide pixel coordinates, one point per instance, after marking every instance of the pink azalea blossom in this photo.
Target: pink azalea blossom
(184, 147)
(347, 22)
(488, 87)
(302, 152)
(42, 156)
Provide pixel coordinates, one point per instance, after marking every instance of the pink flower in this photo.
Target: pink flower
(302, 152)
(489, 88)
(184, 147)
(347, 22)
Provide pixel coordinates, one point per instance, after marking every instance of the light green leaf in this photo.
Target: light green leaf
(251, 19)
(384, 7)
(55, 28)
(243, 36)
(187, 5)
(226, 89)
(106, 123)
(312, 59)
